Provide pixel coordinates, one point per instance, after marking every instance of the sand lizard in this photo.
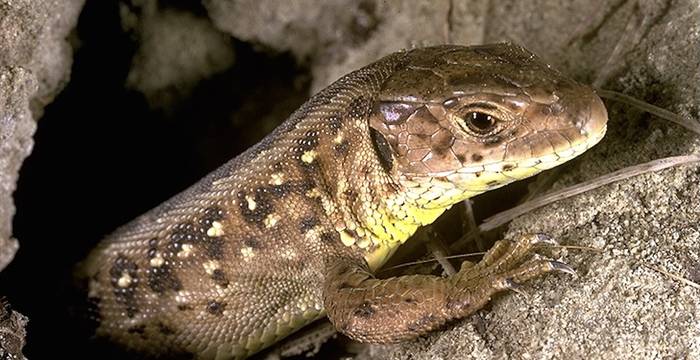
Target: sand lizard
(292, 229)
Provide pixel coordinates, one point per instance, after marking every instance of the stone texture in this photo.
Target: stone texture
(337, 37)
(12, 332)
(35, 60)
(177, 50)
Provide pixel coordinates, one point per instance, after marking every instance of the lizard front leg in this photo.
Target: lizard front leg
(401, 308)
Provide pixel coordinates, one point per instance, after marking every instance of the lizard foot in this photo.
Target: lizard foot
(504, 267)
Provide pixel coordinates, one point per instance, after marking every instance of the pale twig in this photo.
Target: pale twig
(674, 276)
(689, 124)
(418, 262)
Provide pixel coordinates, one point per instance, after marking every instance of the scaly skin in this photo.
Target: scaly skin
(293, 228)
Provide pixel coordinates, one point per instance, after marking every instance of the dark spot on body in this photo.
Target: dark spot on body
(185, 307)
(215, 307)
(252, 242)
(477, 174)
(214, 248)
(165, 330)
(335, 123)
(263, 206)
(330, 236)
(365, 310)
(462, 159)
(125, 295)
(138, 329)
(477, 157)
(308, 142)
(162, 279)
(308, 224)
(184, 233)
(492, 183)
(351, 195)
(382, 149)
(409, 300)
(342, 148)
(211, 214)
(220, 278)
(153, 242)
(508, 167)
(93, 312)
(277, 167)
(278, 191)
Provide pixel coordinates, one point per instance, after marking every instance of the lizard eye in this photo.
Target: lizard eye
(479, 123)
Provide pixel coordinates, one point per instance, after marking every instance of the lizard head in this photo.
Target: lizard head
(452, 122)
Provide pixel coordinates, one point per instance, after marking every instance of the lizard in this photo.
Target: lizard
(294, 228)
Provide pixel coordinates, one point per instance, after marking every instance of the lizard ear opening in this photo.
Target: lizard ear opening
(382, 148)
(396, 112)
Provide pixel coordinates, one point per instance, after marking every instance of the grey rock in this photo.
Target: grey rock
(177, 50)
(337, 37)
(35, 60)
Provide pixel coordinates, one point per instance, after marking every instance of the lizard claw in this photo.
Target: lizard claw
(562, 267)
(544, 239)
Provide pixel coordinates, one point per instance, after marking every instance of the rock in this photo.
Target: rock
(35, 64)
(177, 50)
(12, 332)
(336, 37)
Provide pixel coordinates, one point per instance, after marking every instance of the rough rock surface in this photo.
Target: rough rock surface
(35, 60)
(338, 36)
(621, 305)
(177, 50)
(12, 332)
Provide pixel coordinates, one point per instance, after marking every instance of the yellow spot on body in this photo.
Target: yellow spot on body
(313, 193)
(157, 261)
(210, 266)
(251, 202)
(364, 243)
(247, 253)
(338, 138)
(289, 254)
(311, 234)
(346, 239)
(309, 156)
(271, 220)
(216, 229)
(124, 280)
(277, 179)
(186, 251)
(182, 297)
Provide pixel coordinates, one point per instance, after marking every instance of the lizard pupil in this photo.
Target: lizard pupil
(479, 122)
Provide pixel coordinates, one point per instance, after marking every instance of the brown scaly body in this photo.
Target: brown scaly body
(292, 228)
